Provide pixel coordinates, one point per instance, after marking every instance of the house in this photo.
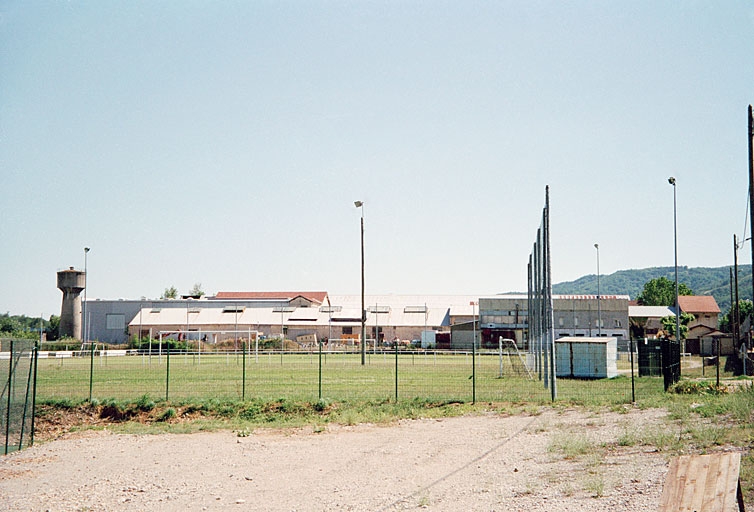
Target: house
(702, 329)
(703, 307)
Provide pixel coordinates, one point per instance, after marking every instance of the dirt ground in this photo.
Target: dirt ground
(481, 463)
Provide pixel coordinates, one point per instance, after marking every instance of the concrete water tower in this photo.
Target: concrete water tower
(71, 282)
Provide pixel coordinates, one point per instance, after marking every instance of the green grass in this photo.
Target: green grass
(269, 376)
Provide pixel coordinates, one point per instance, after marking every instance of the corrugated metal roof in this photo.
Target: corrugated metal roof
(650, 311)
(390, 310)
(318, 297)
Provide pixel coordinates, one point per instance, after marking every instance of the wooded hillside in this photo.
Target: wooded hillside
(702, 280)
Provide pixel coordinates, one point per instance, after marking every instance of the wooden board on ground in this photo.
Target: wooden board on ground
(703, 483)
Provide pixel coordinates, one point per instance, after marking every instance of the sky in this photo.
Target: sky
(224, 143)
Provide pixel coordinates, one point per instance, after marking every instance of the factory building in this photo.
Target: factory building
(455, 319)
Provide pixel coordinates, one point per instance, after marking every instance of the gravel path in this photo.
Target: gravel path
(480, 463)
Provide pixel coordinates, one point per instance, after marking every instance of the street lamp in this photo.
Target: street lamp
(671, 180)
(86, 276)
(360, 204)
(599, 309)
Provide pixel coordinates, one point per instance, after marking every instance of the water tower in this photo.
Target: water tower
(71, 282)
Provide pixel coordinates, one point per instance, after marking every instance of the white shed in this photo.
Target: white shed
(584, 357)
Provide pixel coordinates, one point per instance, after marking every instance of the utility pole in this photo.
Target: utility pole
(751, 192)
(736, 314)
(732, 315)
(751, 210)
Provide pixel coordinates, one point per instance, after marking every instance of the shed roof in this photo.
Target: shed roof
(585, 339)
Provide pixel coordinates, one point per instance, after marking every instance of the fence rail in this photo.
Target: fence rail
(389, 373)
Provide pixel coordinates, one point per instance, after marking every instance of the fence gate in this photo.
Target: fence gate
(671, 362)
(18, 364)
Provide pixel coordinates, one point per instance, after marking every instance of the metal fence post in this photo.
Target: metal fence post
(167, 373)
(26, 401)
(473, 371)
(34, 395)
(10, 392)
(91, 372)
(396, 371)
(633, 386)
(243, 376)
(320, 368)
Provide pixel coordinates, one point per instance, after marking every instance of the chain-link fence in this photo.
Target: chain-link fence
(393, 373)
(18, 364)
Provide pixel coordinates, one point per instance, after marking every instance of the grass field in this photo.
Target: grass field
(295, 376)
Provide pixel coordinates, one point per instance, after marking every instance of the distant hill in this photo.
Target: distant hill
(702, 280)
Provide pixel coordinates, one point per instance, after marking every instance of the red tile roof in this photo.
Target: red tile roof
(698, 304)
(318, 297)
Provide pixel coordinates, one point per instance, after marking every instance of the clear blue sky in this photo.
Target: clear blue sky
(224, 143)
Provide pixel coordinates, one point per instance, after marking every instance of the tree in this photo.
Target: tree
(170, 293)
(196, 291)
(661, 292)
(744, 309)
(668, 324)
(53, 328)
(9, 324)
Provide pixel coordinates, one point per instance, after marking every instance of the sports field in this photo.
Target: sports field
(441, 376)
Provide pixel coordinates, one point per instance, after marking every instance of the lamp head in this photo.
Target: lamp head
(358, 204)
(671, 180)
(86, 249)
(597, 246)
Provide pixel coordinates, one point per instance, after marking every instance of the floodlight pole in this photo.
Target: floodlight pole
(599, 309)
(751, 201)
(360, 204)
(671, 180)
(86, 276)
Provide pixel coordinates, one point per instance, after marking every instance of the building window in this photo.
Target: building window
(561, 321)
(116, 322)
(617, 323)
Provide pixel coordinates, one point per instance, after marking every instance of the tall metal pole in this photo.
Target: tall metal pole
(86, 285)
(360, 204)
(550, 318)
(736, 312)
(671, 180)
(751, 196)
(751, 191)
(599, 308)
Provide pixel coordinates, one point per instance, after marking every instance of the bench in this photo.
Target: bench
(703, 483)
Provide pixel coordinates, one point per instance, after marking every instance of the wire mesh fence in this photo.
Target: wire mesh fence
(394, 373)
(17, 367)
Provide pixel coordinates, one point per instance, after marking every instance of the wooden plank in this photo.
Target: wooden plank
(703, 483)
(675, 481)
(721, 491)
(732, 461)
(703, 475)
(688, 491)
(669, 489)
(710, 486)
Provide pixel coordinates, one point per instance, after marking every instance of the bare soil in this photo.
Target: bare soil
(482, 463)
